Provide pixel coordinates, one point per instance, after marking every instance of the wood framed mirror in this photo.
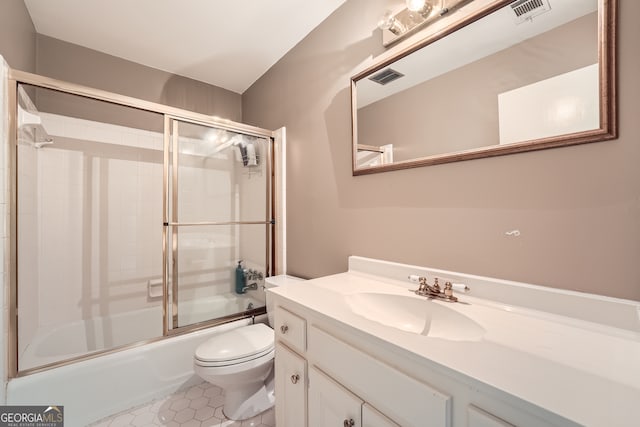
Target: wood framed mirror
(488, 85)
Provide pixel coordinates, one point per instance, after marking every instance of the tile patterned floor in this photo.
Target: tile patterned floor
(197, 406)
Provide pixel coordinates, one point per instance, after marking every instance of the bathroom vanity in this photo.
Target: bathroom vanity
(359, 349)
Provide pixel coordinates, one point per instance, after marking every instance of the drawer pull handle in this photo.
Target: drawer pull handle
(295, 378)
(349, 423)
(284, 329)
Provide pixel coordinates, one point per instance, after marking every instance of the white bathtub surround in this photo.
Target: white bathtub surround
(197, 406)
(540, 356)
(117, 381)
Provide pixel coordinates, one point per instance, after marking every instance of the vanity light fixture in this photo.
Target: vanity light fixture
(423, 7)
(416, 15)
(390, 23)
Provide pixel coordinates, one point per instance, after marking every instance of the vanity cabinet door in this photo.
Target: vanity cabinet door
(330, 404)
(291, 388)
(372, 418)
(404, 399)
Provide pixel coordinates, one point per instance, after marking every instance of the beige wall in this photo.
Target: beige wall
(17, 35)
(577, 208)
(458, 110)
(77, 64)
(25, 50)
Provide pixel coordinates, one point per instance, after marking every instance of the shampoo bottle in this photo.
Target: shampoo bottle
(241, 281)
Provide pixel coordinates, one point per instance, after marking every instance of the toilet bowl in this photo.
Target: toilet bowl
(240, 362)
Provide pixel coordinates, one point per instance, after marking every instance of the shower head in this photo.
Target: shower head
(235, 141)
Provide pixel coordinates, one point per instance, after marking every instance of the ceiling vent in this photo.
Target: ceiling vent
(386, 76)
(525, 10)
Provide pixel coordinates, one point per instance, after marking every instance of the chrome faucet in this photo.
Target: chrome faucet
(435, 291)
(251, 274)
(251, 287)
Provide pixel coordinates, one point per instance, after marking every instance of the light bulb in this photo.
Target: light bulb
(386, 21)
(389, 22)
(415, 5)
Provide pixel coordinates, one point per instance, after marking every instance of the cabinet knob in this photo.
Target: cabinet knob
(295, 378)
(284, 329)
(349, 423)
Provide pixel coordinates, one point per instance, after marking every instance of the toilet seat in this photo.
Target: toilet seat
(234, 368)
(237, 346)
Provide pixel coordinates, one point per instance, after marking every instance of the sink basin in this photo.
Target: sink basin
(417, 315)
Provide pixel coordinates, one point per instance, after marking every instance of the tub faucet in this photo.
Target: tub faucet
(435, 291)
(253, 286)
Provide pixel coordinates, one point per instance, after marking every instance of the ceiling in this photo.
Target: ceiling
(227, 43)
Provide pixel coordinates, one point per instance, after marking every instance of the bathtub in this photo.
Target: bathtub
(95, 388)
(99, 333)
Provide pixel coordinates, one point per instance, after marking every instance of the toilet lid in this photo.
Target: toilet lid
(238, 344)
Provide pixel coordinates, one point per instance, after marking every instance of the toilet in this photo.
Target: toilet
(240, 362)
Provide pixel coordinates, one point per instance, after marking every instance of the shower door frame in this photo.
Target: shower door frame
(16, 77)
(171, 224)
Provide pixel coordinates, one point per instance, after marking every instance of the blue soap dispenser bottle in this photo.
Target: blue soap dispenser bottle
(241, 280)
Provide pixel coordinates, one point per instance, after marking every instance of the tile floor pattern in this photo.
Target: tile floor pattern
(197, 406)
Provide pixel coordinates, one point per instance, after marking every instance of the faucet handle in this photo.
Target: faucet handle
(448, 290)
(460, 287)
(423, 286)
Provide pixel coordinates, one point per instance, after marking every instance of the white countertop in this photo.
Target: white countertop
(584, 371)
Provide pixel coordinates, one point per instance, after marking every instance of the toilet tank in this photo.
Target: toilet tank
(272, 282)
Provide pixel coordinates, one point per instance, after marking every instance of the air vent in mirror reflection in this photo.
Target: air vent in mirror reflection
(386, 76)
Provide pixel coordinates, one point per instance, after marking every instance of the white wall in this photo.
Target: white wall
(559, 105)
(28, 230)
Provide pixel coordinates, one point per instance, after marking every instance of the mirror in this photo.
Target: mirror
(489, 85)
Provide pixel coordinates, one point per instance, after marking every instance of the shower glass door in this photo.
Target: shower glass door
(126, 222)
(88, 233)
(218, 209)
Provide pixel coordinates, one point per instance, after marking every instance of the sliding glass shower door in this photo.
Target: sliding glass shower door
(217, 218)
(88, 236)
(128, 221)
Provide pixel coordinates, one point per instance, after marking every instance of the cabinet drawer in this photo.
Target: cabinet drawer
(291, 329)
(405, 400)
